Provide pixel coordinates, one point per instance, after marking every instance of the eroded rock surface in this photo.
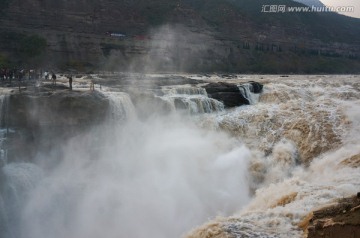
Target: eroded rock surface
(42, 121)
(339, 220)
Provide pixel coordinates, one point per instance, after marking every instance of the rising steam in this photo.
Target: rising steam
(151, 179)
(167, 48)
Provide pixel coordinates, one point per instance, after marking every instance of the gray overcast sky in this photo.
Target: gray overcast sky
(354, 3)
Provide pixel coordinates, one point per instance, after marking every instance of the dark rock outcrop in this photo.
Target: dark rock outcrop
(230, 94)
(256, 87)
(227, 93)
(339, 220)
(42, 122)
(56, 109)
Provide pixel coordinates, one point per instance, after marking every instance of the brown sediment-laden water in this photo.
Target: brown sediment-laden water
(179, 156)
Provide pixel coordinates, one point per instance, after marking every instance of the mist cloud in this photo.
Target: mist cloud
(157, 178)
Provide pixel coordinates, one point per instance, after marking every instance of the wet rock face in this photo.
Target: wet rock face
(227, 93)
(147, 105)
(56, 109)
(256, 87)
(42, 122)
(340, 220)
(230, 94)
(353, 162)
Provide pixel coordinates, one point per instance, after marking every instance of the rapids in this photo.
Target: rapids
(256, 170)
(301, 132)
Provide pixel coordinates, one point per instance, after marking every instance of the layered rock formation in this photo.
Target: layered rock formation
(179, 36)
(341, 219)
(40, 122)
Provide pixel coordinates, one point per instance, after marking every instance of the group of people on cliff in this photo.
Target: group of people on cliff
(9, 74)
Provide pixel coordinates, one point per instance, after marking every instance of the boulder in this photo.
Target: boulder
(256, 87)
(227, 93)
(341, 219)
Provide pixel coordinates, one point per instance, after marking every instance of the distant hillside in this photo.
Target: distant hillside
(315, 3)
(176, 35)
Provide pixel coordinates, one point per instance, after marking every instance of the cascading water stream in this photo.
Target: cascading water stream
(302, 134)
(185, 91)
(161, 176)
(17, 180)
(247, 90)
(4, 101)
(121, 107)
(155, 177)
(192, 99)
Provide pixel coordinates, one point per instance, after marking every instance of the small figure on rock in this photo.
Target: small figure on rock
(70, 82)
(46, 74)
(92, 86)
(53, 77)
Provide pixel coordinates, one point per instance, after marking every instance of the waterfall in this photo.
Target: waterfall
(192, 99)
(307, 128)
(4, 105)
(121, 106)
(195, 103)
(268, 166)
(185, 91)
(247, 90)
(150, 180)
(16, 182)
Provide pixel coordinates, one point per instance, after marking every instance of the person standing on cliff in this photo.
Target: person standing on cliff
(70, 82)
(46, 74)
(53, 78)
(92, 86)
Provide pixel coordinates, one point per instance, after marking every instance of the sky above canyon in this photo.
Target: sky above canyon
(354, 3)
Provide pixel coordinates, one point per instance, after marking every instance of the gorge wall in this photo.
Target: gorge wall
(38, 123)
(178, 36)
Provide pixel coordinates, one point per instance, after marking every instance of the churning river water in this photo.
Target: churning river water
(254, 171)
